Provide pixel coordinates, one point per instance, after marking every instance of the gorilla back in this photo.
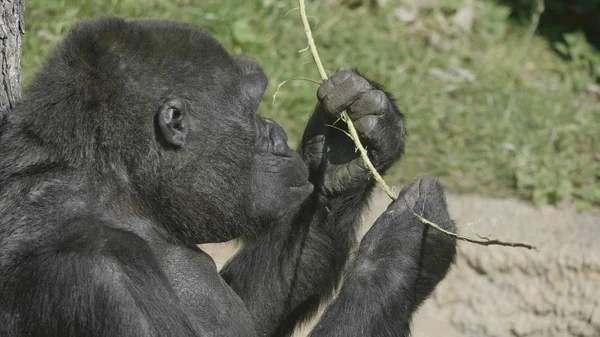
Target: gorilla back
(139, 139)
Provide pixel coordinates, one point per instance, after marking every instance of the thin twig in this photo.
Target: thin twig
(484, 241)
(292, 79)
(365, 156)
(339, 129)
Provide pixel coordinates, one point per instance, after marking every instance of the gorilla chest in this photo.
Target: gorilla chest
(215, 307)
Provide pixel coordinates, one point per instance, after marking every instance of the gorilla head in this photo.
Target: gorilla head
(210, 168)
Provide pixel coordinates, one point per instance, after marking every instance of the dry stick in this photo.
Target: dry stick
(292, 79)
(484, 241)
(365, 157)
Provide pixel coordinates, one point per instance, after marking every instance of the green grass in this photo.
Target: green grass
(526, 126)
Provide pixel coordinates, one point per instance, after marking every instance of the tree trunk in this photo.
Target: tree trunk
(11, 28)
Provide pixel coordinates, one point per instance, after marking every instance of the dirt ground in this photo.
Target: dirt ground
(561, 231)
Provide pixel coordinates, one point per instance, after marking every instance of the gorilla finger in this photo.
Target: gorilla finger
(341, 75)
(345, 177)
(313, 150)
(425, 197)
(381, 138)
(341, 90)
(324, 89)
(407, 198)
(367, 126)
(329, 84)
(373, 102)
(417, 189)
(432, 204)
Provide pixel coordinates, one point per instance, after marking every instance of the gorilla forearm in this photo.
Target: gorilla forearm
(283, 276)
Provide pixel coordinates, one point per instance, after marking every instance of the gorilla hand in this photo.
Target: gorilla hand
(334, 163)
(413, 255)
(399, 262)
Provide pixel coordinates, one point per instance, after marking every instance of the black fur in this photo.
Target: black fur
(139, 139)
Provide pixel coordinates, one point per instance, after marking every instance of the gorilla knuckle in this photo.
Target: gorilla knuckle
(341, 76)
(367, 126)
(356, 84)
(325, 88)
(377, 100)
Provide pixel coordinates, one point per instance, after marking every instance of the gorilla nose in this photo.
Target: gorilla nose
(278, 137)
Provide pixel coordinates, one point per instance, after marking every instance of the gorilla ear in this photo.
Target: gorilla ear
(172, 122)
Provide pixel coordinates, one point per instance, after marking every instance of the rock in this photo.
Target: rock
(464, 18)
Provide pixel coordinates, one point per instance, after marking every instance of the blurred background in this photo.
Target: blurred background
(502, 100)
(501, 97)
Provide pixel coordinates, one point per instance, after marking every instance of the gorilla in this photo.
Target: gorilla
(139, 139)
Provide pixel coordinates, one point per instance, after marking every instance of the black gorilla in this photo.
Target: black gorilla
(139, 139)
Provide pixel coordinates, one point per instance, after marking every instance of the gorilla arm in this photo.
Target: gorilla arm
(284, 275)
(91, 280)
(399, 262)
